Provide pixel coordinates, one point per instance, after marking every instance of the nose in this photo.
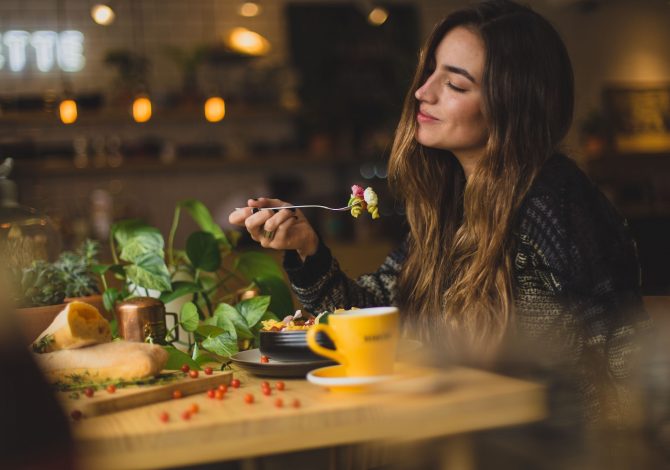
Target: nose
(424, 92)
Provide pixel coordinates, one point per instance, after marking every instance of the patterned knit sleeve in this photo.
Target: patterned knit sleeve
(320, 284)
(579, 287)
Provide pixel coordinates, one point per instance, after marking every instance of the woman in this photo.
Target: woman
(509, 242)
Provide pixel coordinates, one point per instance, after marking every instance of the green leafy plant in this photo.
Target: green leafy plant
(210, 271)
(76, 268)
(71, 275)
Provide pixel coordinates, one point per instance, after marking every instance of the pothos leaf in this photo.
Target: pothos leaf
(188, 317)
(209, 330)
(177, 358)
(204, 219)
(254, 264)
(223, 345)
(280, 295)
(179, 289)
(227, 314)
(253, 309)
(124, 230)
(150, 272)
(203, 251)
(142, 244)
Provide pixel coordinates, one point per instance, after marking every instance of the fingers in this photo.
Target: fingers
(239, 216)
(270, 228)
(281, 236)
(254, 223)
(278, 218)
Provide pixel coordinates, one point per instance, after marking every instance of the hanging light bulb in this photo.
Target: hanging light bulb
(247, 42)
(249, 9)
(378, 16)
(142, 109)
(103, 14)
(68, 111)
(215, 109)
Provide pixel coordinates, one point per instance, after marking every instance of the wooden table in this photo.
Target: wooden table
(464, 400)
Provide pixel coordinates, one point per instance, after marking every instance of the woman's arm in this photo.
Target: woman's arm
(320, 284)
(314, 274)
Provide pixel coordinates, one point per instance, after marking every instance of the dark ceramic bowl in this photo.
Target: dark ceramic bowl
(291, 346)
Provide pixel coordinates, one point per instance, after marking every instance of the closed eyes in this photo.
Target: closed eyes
(455, 88)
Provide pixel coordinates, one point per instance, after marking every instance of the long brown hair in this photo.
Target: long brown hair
(457, 284)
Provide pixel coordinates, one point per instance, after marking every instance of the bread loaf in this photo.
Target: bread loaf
(118, 360)
(77, 325)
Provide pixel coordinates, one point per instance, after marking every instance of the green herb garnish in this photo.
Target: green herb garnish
(42, 345)
(76, 382)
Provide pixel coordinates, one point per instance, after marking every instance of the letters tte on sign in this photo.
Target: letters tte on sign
(65, 49)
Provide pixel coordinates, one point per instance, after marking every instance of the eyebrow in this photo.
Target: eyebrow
(460, 71)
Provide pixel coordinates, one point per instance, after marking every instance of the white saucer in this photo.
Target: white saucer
(333, 378)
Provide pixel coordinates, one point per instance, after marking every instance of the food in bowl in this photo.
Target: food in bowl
(286, 340)
(295, 322)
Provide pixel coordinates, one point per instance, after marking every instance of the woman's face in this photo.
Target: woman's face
(450, 101)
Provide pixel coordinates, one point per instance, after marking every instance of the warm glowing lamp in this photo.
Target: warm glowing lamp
(247, 42)
(378, 16)
(141, 109)
(68, 111)
(215, 109)
(249, 9)
(103, 14)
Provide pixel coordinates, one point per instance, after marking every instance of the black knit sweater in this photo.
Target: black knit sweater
(578, 306)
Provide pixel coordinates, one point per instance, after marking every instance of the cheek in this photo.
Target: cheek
(472, 118)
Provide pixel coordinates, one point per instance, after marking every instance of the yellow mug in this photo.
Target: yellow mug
(365, 340)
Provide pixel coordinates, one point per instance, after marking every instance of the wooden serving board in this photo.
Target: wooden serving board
(103, 402)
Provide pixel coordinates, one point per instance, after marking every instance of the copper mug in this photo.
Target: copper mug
(143, 319)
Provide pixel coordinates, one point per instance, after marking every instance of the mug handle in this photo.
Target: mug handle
(176, 325)
(317, 348)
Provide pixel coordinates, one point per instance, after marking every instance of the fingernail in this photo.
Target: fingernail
(254, 210)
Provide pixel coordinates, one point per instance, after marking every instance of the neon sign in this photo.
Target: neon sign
(65, 49)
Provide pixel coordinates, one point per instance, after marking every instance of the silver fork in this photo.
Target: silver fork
(345, 208)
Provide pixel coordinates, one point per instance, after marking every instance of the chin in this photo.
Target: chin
(429, 144)
(422, 140)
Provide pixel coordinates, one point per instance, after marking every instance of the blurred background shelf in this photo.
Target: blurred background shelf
(306, 117)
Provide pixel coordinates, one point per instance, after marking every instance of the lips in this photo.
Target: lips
(423, 116)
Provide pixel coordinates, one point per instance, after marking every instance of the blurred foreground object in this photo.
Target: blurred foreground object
(35, 433)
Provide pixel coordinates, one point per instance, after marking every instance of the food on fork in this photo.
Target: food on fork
(363, 199)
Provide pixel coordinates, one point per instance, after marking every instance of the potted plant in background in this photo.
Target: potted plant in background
(46, 287)
(223, 293)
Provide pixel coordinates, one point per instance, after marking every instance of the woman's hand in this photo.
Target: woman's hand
(280, 229)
